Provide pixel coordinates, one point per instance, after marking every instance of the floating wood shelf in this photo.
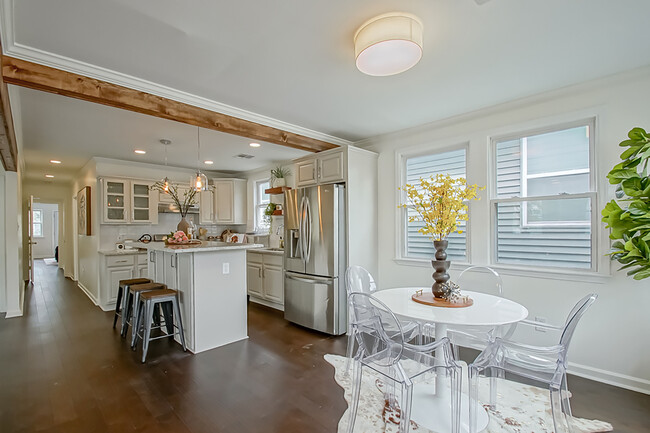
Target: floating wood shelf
(277, 190)
(277, 212)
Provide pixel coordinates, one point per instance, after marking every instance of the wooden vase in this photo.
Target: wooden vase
(440, 266)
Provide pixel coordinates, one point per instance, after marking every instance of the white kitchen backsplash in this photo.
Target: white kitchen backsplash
(110, 234)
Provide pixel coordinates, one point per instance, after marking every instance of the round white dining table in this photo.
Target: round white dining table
(431, 403)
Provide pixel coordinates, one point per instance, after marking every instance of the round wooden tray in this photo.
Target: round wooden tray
(427, 298)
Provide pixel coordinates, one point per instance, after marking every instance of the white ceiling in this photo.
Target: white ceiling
(73, 131)
(292, 60)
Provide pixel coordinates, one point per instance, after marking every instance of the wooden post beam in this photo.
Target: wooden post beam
(8, 148)
(34, 76)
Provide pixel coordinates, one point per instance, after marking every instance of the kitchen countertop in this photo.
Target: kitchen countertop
(267, 250)
(205, 246)
(122, 252)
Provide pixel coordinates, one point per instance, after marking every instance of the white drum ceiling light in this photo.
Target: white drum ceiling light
(388, 44)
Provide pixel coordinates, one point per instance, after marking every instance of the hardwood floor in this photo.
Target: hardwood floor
(64, 369)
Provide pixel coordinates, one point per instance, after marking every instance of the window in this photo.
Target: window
(262, 199)
(37, 223)
(417, 245)
(544, 198)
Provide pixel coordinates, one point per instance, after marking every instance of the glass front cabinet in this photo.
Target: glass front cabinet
(128, 201)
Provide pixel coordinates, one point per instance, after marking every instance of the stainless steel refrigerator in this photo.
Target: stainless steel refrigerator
(314, 258)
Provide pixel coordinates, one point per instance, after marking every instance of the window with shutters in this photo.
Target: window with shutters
(419, 246)
(544, 197)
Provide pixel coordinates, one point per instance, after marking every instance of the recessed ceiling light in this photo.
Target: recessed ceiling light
(254, 145)
(55, 161)
(50, 176)
(140, 152)
(208, 162)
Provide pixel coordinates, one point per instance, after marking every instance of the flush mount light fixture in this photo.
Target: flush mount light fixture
(255, 145)
(49, 176)
(140, 152)
(388, 44)
(208, 162)
(55, 161)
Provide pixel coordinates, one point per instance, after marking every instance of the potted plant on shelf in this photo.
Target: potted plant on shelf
(268, 212)
(183, 203)
(278, 176)
(630, 223)
(440, 202)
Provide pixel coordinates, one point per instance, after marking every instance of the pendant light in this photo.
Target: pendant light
(165, 181)
(200, 181)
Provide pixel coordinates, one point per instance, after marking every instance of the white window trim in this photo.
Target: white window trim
(257, 201)
(40, 224)
(400, 256)
(597, 271)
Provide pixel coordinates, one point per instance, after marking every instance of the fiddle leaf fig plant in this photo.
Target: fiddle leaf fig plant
(628, 216)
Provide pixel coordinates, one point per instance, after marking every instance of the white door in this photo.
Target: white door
(306, 173)
(254, 279)
(274, 284)
(223, 201)
(142, 203)
(30, 238)
(115, 200)
(206, 207)
(330, 168)
(55, 230)
(115, 275)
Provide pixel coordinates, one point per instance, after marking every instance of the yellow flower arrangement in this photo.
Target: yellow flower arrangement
(441, 203)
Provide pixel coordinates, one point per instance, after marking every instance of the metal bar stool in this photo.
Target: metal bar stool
(145, 317)
(130, 305)
(123, 287)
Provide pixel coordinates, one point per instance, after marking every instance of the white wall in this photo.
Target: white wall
(45, 244)
(611, 344)
(3, 255)
(13, 249)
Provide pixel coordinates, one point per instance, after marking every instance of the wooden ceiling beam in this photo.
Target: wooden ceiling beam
(34, 76)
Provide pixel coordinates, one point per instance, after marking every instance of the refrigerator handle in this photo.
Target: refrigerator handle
(327, 281)
(301, 229)
(308, 228)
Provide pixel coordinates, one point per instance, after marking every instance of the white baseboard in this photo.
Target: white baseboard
(266, 303)
(13, 313)
(87, 292)
(621, 380)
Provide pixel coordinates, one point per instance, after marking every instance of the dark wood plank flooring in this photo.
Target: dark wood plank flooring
(64, 369)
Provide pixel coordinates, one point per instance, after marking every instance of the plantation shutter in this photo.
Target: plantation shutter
(417, 244)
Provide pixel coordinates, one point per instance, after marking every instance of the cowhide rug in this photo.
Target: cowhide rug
(521, 408)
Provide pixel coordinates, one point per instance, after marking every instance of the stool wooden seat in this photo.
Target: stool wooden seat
(122, 286)
(129, 306)
(148, 301)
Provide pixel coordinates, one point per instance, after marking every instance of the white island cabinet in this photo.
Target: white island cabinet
(211, 279)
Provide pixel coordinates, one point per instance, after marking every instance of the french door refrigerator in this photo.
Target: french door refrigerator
(314, 258)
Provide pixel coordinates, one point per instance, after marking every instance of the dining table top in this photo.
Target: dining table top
(487, 310)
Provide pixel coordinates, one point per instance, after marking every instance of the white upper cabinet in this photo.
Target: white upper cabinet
(230, 201)
(324, 167)
(206, 207)
(127, 201)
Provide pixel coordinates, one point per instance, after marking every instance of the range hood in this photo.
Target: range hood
(172, 208)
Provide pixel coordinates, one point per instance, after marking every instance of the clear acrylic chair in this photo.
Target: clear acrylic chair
(481, 279)
(359, 280)
(545, 364)
(401, 363)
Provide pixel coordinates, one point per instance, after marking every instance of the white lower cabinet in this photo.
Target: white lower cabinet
(265, 278)
(116, 268)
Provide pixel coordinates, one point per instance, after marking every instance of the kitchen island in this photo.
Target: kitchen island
(211, 280)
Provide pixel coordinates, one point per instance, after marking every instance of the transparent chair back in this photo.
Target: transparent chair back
(358, 279)
(398, 363)
(545, 364)
(481, 279)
